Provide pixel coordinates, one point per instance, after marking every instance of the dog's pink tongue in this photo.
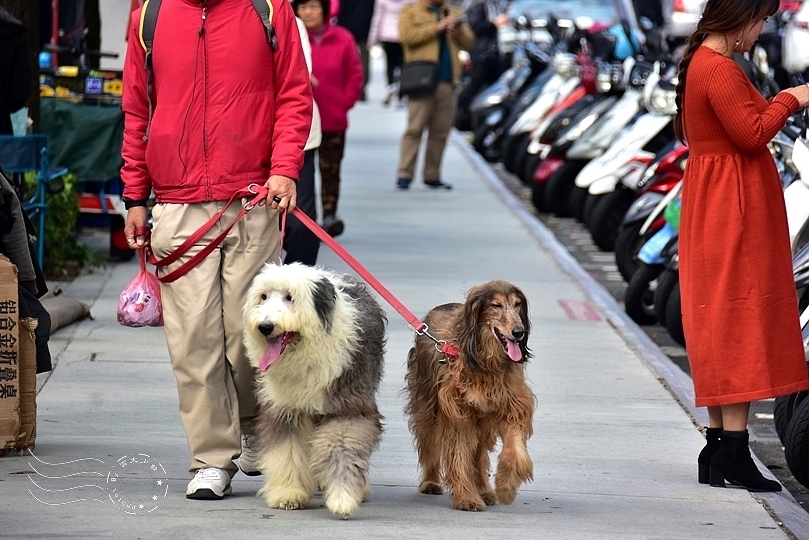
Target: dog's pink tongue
(273, 351)
(514, 351)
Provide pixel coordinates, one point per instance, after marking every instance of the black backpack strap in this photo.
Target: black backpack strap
(265, 12)
(148, 21)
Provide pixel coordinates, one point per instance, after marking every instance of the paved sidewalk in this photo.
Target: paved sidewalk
(614, 445)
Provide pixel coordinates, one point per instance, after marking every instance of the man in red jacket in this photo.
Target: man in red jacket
(227, 110)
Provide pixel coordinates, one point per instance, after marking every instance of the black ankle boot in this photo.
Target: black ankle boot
(733, 462)
(704, 459)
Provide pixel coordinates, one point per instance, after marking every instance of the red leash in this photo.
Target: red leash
(257, 194)
(254, 192)
(415, 322)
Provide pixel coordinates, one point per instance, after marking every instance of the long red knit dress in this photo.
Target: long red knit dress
(740, 310)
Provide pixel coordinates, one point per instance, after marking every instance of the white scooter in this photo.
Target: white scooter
(635, 147)
(796, 195)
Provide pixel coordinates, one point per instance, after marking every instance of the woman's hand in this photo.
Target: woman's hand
(801, 93)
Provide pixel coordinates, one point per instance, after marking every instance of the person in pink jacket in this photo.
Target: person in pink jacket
(337, 86)
(385, 32)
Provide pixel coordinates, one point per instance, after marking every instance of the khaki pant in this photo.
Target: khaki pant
(202, 311)
(435, 114)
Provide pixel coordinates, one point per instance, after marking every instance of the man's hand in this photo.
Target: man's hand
(137, 218)
(447, 24)
(283, 188)
(454, 30)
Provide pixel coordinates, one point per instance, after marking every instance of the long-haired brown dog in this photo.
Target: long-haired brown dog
(459, 407)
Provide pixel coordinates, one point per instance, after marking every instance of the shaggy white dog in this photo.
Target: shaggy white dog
(317, 339)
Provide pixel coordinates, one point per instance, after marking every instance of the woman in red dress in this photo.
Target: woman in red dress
(740, 310)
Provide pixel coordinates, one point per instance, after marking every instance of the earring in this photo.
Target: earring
(738, 41)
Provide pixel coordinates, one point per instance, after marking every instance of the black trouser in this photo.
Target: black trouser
(393, 60)
(301, 244)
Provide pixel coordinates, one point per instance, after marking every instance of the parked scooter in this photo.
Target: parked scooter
(514, 141)
(496, 108)
(505, 88)
(796, 194)
(661, 181)
(652, 257)
(608, 45)
(630, 153)
(560, 192)
(548, 154)
(666, 298)
(562, 88)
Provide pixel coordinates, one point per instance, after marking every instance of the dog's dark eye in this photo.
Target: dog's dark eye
(263, 296)
(497, 305)
(288, 298)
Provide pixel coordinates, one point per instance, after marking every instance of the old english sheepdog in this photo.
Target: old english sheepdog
(317, 339)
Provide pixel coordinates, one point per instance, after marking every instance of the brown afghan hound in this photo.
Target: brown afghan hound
(458, 407)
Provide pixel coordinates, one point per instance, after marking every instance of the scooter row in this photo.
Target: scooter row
(593, 138)
(581, 129)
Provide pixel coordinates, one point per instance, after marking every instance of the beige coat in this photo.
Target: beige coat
(418, 31)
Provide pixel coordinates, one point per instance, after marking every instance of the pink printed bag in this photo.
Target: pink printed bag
(140, 304)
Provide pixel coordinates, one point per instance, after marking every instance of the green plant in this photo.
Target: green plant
(65, 256)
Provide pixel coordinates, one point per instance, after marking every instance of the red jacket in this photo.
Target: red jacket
(228, 111)
(337, 68)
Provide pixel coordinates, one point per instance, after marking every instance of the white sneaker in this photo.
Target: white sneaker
(248, 461)
(209, 483)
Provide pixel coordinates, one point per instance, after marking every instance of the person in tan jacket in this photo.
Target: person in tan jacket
(430, 30)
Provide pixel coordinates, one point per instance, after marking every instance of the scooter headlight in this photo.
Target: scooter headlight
(662, 100)
(610, 78)
(603, 82)
(565, 64)
(496, 99)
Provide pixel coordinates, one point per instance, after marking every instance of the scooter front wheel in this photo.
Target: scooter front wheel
(796, 445)
(560, 186)
(525, 169)
(576, 202)
(665, 284)
(481, 143)
(513, 145)
(783, 410)
(674, 315)
(639, 295)
(627, 245)
(607, 216)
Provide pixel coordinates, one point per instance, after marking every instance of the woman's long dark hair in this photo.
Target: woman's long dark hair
(728, 17)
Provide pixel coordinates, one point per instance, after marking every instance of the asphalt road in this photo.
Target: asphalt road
(576, 238)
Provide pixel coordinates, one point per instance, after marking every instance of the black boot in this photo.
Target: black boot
(704, 459)
(733, 462)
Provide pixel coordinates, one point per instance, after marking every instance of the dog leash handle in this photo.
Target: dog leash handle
(254, 192)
